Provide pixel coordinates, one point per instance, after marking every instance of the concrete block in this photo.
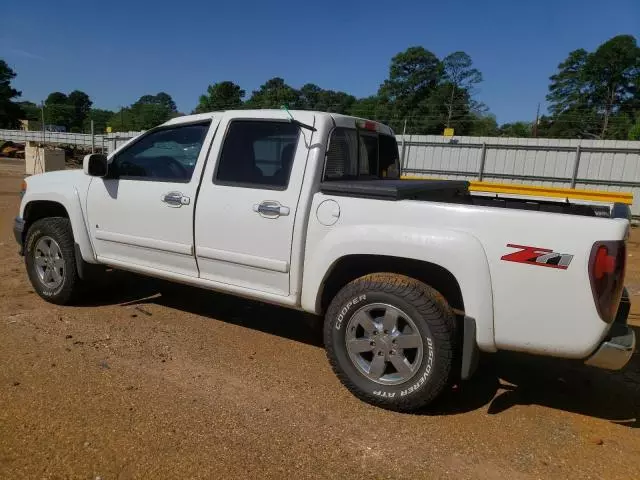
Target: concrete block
(40, 160)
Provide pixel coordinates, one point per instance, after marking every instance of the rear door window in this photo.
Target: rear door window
(258, 154)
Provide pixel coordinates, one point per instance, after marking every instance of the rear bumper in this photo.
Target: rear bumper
(18, 230)
(617, 349)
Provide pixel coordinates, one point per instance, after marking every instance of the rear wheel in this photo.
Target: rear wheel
(50, 259)
(391, 340)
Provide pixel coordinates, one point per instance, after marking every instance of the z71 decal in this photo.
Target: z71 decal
(542, 257)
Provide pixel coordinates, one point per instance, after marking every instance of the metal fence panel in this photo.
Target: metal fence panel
(610, 165)
(109, 141)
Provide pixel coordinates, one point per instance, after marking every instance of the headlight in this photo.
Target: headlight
(23, 188)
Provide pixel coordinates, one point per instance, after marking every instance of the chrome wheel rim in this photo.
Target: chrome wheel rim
(49, 262)
(384, 344)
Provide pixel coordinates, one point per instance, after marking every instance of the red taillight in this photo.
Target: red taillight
(604, 264)
(606, 271)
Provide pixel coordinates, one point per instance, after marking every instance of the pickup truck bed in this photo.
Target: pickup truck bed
(455, 191)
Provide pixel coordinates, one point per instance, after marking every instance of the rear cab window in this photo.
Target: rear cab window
(360, 154)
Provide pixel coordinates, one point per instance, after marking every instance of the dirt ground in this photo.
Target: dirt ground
(145, 380)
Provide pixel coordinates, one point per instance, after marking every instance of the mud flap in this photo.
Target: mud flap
(470, 351)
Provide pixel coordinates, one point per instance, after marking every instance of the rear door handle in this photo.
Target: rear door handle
(271, 209)
(175, 199)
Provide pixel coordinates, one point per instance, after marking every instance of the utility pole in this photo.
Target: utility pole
(404, 133)
(534, 130)
(42, 118)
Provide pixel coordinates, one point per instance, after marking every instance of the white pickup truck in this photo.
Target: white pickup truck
(306, 210)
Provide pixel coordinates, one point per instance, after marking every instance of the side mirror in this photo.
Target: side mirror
(95, 164)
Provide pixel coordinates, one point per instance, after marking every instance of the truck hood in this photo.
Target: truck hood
(72, 178)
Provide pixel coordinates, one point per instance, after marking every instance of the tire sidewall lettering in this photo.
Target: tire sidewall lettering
(31, 240)
(344, 311)
(416, 384)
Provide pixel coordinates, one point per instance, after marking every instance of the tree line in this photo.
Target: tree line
(592, 95)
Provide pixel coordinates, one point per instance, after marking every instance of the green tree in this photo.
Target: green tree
(436, 112)
(312, 97)
(376, 108)
(57, 110)
(122, 120)
(220, 96)
(412, 75)
(147, 112)
(613, 71)
(162, 99)
(430, 94)
(462, 78)
(30, 110)
(100, 120)
(634, 132)
(368, 107)
(569, 87)
(515, 129)
(483, 125)
(595, 95)
(10, 112)
(273, 94)
(80, 107)
(578, 122)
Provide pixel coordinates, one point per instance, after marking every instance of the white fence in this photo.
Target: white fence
(609, 165)
(107, 142)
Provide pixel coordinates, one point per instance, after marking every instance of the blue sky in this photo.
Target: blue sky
(117, 51)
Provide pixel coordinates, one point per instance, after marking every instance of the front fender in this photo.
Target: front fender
(460, 253)
(69, 197)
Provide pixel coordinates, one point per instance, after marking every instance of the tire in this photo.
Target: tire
(53, 275)
(423, 319)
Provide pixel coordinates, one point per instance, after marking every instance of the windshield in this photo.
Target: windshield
(361, 154)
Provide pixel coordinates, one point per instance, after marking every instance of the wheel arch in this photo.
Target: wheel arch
(452, 262)
(350, 267)
(37, 207)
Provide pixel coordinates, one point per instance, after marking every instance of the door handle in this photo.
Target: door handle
(271, 209)
(175, 199)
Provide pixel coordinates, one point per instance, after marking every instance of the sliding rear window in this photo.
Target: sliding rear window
(360, 154)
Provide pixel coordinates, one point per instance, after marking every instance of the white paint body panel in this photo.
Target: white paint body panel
(219, 242)
(516, 306)
(128, 222)
(69, 189)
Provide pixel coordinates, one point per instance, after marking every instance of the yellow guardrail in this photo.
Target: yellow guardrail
(538, 191)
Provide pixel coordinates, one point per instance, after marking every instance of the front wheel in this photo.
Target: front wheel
(391, 340)
(50, 259)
